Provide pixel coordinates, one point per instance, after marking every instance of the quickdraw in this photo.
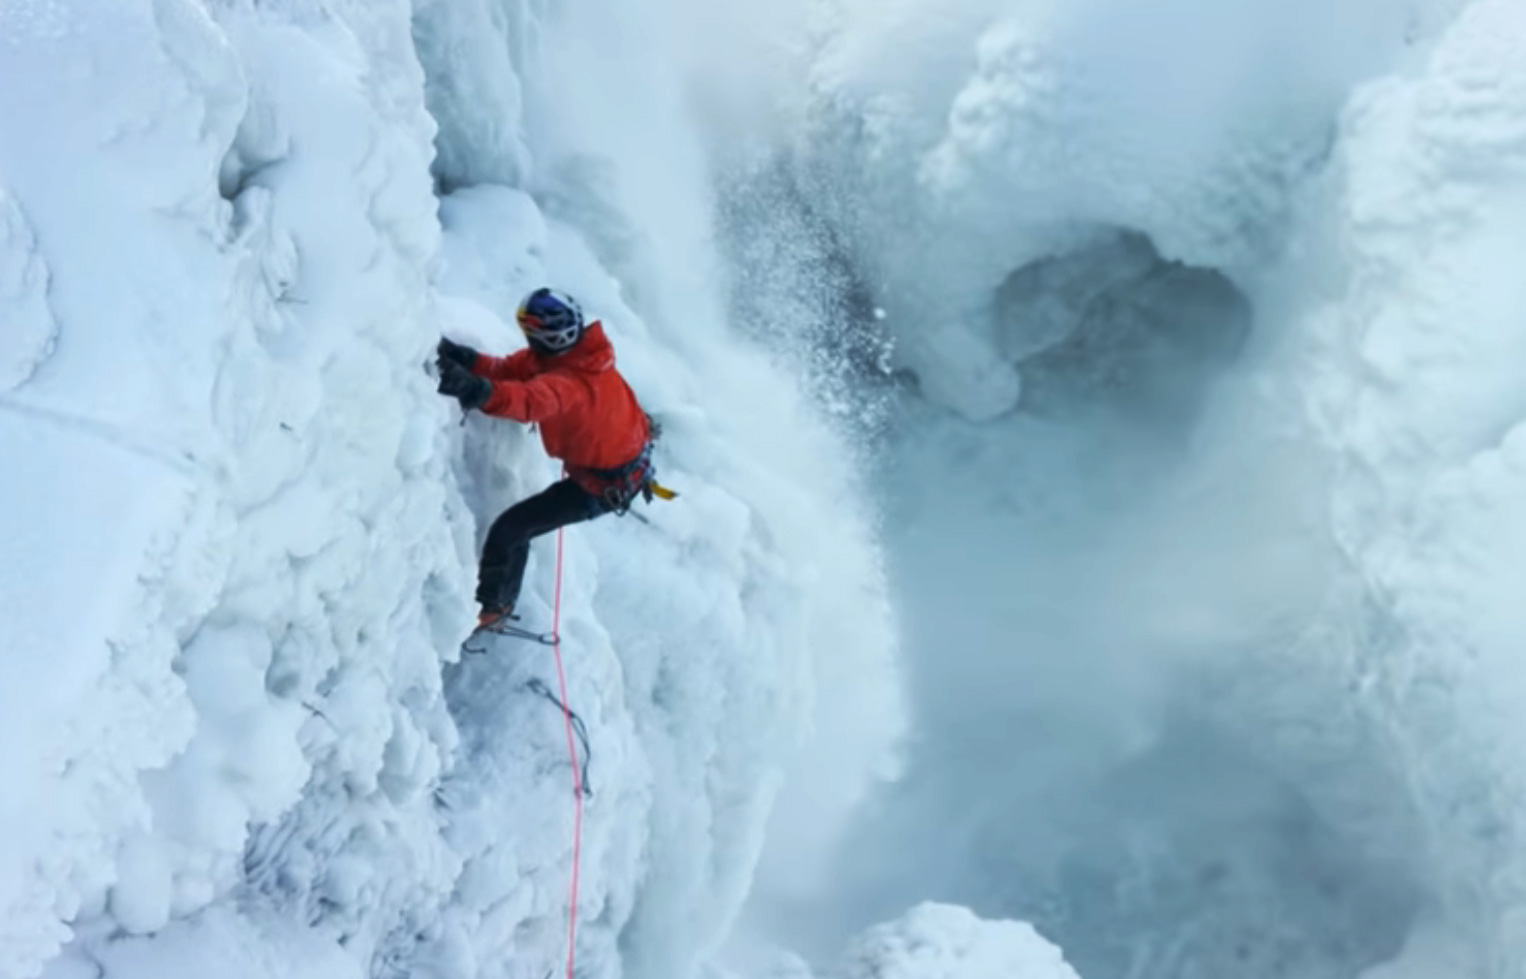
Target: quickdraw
(539, 688)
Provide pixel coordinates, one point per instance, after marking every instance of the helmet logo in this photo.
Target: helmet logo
(551, 321)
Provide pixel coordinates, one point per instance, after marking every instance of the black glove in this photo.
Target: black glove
(459, 383)
(450, 352)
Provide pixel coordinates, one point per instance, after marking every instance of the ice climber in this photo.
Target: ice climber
(589, 418)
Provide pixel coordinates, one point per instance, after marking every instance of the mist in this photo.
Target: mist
(1158, 709)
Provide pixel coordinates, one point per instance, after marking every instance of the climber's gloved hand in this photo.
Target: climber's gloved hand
(450, 352)
(459, 383)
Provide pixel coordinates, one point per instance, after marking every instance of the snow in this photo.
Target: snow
(242, 545)
(217, 942)
(1224, 690)
(962, 141)
(940, 942)
(1427, 423)
(23, 296)
(1235, 696)
(65, 809)
(930, 941)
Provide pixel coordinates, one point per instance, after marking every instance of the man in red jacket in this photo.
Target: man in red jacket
(566, 383)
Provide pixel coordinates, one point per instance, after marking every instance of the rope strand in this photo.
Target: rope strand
(577, 770)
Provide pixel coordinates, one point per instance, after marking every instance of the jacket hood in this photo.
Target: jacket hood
(592, 354)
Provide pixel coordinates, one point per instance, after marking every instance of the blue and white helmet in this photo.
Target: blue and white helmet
(552, 321)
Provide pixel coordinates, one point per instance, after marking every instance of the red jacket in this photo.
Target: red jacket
(588, 415)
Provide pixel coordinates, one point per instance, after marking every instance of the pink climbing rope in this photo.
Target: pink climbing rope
(577, 771)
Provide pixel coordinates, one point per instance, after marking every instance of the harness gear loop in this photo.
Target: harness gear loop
(636, 479)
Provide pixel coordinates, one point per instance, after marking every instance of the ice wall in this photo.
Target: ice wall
(1222, 696)
(241, 526)
(1422, 407)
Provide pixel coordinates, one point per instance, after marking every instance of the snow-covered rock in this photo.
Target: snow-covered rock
(939, 941)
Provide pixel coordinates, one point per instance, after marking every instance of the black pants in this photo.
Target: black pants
(507, 549)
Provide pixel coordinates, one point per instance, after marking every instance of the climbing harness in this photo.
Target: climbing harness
(623, 485)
